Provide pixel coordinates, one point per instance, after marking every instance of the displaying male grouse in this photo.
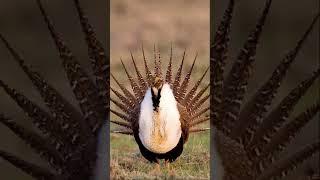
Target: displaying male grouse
(161, 112)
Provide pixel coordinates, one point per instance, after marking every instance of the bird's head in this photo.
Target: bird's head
(156, 91)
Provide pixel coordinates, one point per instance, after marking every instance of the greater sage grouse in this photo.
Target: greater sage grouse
(161, 112)
(248, 138)
(68, 139)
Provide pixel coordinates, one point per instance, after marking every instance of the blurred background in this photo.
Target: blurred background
(23, 26)
(285, 25)
(185, 24)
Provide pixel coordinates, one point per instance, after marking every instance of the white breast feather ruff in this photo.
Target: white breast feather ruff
(169, 119)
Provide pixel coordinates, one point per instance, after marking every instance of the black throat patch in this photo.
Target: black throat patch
(156, 99)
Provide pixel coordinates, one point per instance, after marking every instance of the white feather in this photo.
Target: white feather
(170, 125)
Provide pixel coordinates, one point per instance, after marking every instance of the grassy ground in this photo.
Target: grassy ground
(128, 163)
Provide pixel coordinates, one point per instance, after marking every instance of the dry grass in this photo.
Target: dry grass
(127, 162)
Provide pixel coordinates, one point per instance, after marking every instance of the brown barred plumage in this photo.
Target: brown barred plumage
(247, 140)
(68, 138)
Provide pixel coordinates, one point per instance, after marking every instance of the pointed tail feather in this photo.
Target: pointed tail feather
(177, 79)
(121, 106)
(199, 121)
(33, 170)
(49, 152)
(148, 72)
(218, 56)
(159, 63)
(198, 114)
(122, 131)
(97, 55)
(185, 82)
(195, 130)
(67, 115)
(120, 115)
(143, 84)
(84, 89)
(122, 124)
(277, 117)
(136, 89)
(283, 167)
(41, 119)
(197, 97)
(126, 92)
(192, 92)
(169, 68)
(284, 135)
(200, 103)
(122, 98)
(257, 105)
(237, 80)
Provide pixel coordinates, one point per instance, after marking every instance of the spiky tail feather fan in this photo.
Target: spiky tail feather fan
(192, 101)
(247, 141)
(68, 139)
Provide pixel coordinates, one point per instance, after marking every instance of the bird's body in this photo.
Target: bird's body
(163, 113)
(159, 122)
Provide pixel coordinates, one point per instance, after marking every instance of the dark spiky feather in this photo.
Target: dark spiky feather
(283, 167)
(33, 170)
(65, 113)
(285, 135)
(98, 57)
(257, 106)
(68, 138)
(44, 121)
(47, 150)
(218, 56)
(249, 142)
(84, 89)
(279, 115)
(169, 69)
(143, 84)
(177, 78)
(236, 82)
